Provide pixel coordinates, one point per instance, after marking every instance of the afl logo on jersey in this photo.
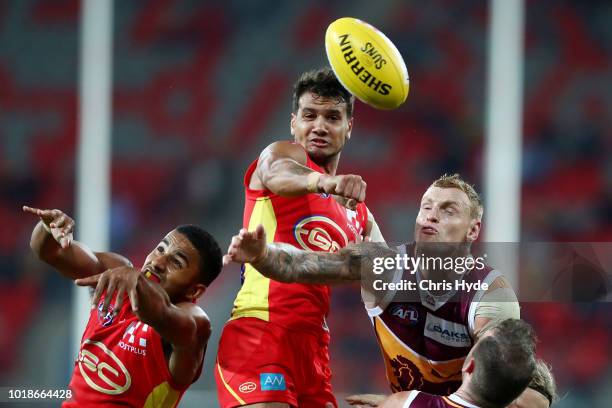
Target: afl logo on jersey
(405, 314)
(106, 317)
(319, 233)
(102, 370)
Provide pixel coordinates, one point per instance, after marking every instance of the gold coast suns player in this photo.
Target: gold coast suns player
(145, 340)
(424, 339)
(274, 349)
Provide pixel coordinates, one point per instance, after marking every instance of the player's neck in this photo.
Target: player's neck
(465, 394)
(329, 164)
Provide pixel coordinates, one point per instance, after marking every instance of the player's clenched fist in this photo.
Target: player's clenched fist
(58, 224)
(349, 186)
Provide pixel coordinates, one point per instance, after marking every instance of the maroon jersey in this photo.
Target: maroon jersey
(121, 362)
(421, 400)
(424, 343)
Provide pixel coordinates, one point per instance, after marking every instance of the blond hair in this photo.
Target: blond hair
(455, 181)
(544, 382)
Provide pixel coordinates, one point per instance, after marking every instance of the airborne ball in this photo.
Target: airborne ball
(367, 63)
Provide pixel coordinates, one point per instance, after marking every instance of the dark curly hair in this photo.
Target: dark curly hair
(322, 82)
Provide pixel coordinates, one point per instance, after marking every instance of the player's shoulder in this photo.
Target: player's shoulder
(285, 149)
(199, 316)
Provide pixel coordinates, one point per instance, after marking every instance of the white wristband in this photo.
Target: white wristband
(312, 184)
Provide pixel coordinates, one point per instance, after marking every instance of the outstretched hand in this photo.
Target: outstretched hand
(58, 224)
(122, 280)
(247, 246)
(365, 400)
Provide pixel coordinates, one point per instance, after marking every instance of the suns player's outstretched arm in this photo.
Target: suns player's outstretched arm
(183, 325)
(285, 263)
(52, 243)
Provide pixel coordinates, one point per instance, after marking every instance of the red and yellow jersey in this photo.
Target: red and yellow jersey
(121, 362)
(314, 222)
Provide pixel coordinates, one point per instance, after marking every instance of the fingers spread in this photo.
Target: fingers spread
(88, 281)
(102, 281)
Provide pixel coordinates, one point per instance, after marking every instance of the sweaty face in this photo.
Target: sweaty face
(321, 125)
(174, 263)
(444, 216)
(530, 399)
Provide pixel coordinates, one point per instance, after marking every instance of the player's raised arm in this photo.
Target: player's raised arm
(285, 263)
(52, 242)
(282, 169)
(183, 325)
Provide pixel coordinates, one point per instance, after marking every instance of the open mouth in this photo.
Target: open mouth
(149, 274)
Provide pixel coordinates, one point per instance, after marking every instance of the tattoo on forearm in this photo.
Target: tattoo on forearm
(286, 263)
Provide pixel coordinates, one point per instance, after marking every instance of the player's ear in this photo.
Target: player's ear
(474, 230)
(468, 367)
(350, 128)
(292, 124)
(196, 292)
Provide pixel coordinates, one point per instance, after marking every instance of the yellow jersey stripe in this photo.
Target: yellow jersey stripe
(162, 396)
(252, 299)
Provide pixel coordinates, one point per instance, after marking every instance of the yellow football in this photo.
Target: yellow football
(367, 63)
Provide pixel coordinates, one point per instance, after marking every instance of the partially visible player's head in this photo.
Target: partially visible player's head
(185, 262)
(541, 391)
(322, 116)
(451, 211)
(501, 364)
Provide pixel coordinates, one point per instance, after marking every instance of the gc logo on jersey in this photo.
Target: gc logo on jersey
(319, 233)
(102, 370)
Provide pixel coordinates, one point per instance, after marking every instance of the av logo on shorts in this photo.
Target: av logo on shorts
(247, 387)
(406, 314)
(319, 233)
(272, 382)
(102, 370)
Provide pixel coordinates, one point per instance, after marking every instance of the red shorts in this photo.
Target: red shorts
(262, 362)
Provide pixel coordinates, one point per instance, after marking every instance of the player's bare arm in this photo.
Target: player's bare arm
(366, 400)
(396, 400)
(282, 169)
(285, 263)
(52, 242)
(184, 325)
(498, 303)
